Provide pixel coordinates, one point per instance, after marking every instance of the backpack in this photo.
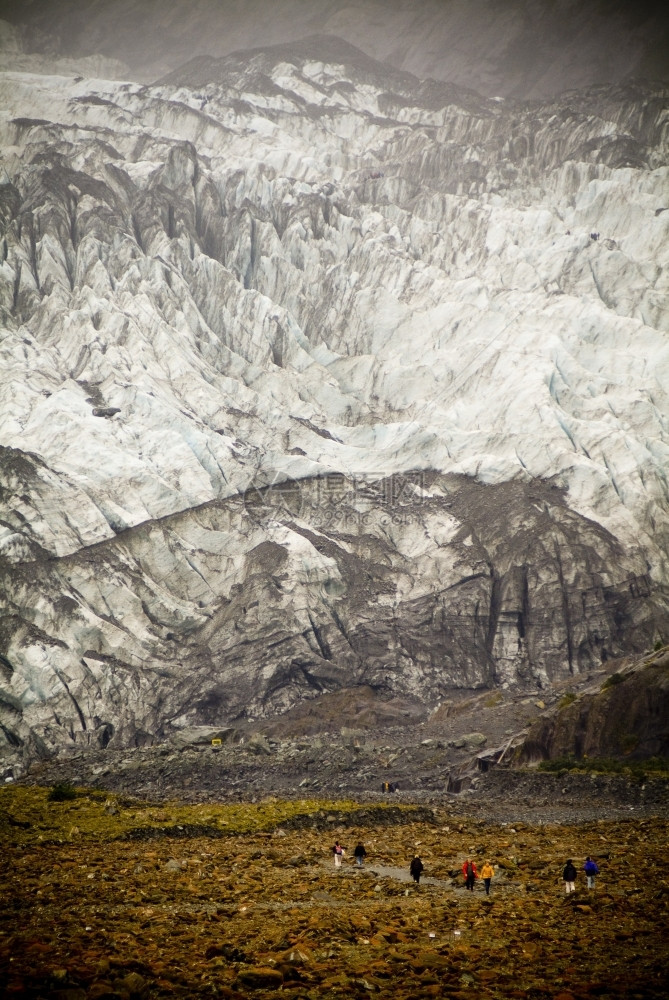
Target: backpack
(470, 870)
(591, 868)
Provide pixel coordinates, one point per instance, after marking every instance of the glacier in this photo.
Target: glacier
(313, 374)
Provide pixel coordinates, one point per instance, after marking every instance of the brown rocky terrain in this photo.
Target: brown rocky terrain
(108, 897)
(201, 867)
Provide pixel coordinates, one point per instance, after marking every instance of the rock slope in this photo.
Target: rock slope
(627, 715)
(314, 375)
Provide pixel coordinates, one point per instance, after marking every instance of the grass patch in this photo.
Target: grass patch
(568, 698)
(612, 681)
(62, 793)
(629, 742)
(94, 814)
(638, 770)
(558, 764)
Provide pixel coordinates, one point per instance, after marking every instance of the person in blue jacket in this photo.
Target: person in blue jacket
(590, 868)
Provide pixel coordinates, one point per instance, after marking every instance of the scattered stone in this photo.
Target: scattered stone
(238, 913)
(258, 743)
(105, 411)
(475, 739)
(134, 984)
(261, 979)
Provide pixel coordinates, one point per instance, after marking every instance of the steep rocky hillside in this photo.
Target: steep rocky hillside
(314, 375)
(626, 716)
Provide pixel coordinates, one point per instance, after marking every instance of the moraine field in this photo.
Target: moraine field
(105, 896)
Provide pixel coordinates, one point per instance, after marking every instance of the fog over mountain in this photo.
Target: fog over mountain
(520, 48)
(340, 360)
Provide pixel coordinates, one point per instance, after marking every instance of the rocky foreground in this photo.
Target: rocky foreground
(114, 898)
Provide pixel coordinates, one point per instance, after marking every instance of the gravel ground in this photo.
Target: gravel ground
(313, 769)
(431, 759)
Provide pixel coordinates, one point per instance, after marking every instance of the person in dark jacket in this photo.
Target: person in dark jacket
(416, 867)
(569, 876)
(359, 854)
(591, 869)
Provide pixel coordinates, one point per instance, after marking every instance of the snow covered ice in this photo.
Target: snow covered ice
(287, 269)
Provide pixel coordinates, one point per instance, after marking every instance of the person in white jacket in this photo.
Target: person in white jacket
(338, 852)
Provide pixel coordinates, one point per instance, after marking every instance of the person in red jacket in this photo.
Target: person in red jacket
(469, 872)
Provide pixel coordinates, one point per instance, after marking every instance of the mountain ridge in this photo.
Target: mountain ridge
(521, 48)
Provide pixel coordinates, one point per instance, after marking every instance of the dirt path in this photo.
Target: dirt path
(385, 871)
(402, 875)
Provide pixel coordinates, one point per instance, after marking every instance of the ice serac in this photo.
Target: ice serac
(314, 374)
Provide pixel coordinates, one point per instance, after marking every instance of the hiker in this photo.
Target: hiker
(569, 876)
(487, 873)
(415, 868)
(591, 869)
(359, 854)
(469, 872)
(338, 852)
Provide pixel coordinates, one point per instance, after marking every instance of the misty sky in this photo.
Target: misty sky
(522, 48)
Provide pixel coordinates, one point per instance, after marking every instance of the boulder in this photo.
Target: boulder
(261, 978)
(258, 743)
(475, 739)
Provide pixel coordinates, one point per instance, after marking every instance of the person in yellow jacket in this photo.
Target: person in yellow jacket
(487, 873)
